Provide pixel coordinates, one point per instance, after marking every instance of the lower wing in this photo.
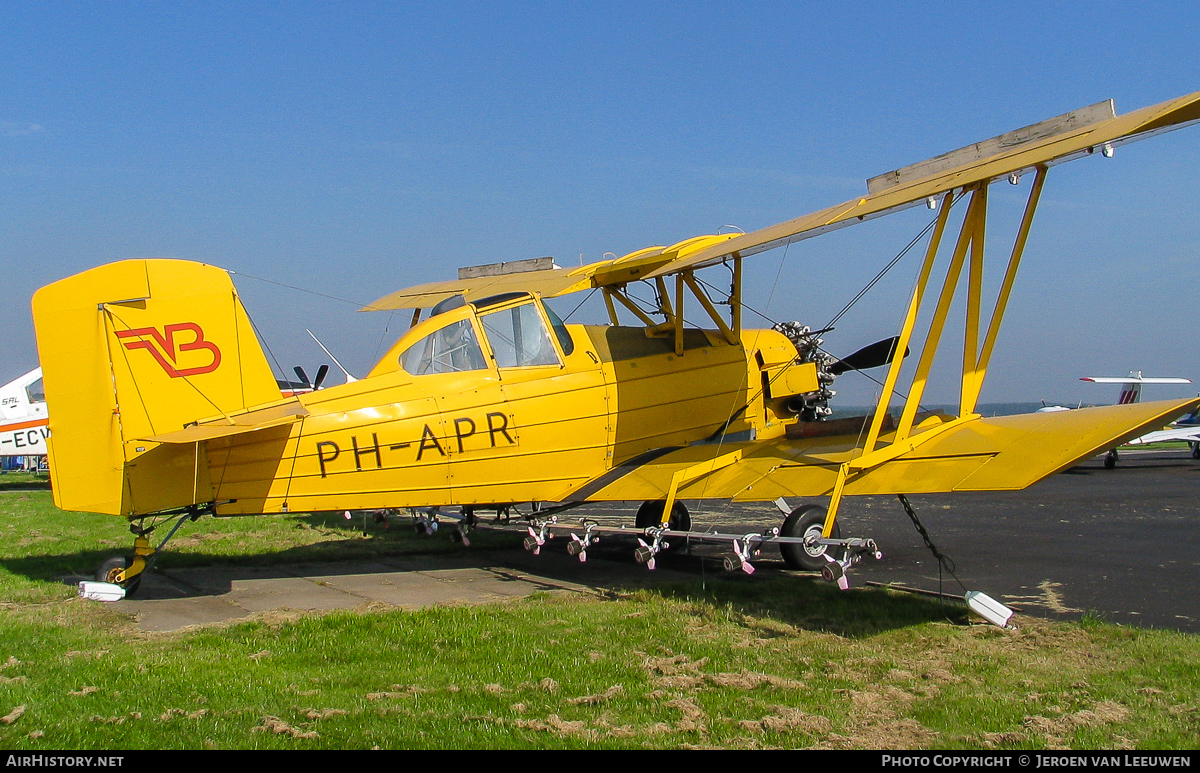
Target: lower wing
(946, 454)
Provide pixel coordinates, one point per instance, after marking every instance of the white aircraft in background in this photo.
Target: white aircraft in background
(24, 424)
(1186, 428)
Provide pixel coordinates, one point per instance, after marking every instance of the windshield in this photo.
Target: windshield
(518, 337)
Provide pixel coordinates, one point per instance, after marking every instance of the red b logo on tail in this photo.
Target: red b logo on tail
(160, 344)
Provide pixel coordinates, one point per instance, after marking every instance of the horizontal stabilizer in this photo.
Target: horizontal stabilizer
(1134, 380)
(251, 421)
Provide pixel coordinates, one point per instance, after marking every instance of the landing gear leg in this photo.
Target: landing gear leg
(118, 570)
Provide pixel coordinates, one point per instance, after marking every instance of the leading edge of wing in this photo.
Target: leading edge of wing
(549, 283)
(1014, 157)
(992, 454)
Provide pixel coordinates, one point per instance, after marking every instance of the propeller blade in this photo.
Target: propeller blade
(322, 372)
(870, 356)
(303, 376)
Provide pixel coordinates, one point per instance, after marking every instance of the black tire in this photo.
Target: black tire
(1196, 450)
(113, 566)
(1110, 460)
(803, 521)
(650, 514)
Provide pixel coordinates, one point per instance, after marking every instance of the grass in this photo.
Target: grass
(741, 663)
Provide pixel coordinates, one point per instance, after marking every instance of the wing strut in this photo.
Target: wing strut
(975, 358)
(672, 326)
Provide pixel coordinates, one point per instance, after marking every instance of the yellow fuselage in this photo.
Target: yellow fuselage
(499, 435)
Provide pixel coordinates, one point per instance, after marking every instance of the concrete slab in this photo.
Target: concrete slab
(173, 614)
(170, 599)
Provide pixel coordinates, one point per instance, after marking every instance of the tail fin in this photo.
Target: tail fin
(136, 349)
(1131, 385)
(1130, 393)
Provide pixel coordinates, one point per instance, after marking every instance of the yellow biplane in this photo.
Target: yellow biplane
(164, 406)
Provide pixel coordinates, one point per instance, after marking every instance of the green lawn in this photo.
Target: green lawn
(741, 663)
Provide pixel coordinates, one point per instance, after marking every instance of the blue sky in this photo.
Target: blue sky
(356, 148)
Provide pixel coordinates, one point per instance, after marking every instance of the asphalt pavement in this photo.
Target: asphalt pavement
(1121, 543)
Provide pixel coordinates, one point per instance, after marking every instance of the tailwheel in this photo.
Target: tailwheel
(113, 569)
(808, 521)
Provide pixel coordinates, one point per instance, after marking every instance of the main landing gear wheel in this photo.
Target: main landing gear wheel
(1196, 450)
(111, 569)
(650, 514)
(1110, 459)
(807, 520)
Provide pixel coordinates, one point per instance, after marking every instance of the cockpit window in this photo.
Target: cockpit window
(449, 304)
(35, 392)
(452, 349)
(518, 337)
(560, 330)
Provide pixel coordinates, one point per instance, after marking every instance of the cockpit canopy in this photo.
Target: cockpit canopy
(512, 330)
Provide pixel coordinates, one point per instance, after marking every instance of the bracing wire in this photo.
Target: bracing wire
(587, 298)
(301, 289)
(386, 327)
(266, 346)
(339, 299)
(858, 296)
(882, 273)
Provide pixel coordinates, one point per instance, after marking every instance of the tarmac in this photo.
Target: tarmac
(1122, 544)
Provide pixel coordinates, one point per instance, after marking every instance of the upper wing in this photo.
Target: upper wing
(1069, 136)
(1050, 142)
(548, 282)
(1001, 453)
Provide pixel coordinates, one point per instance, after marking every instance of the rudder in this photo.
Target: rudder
(136, 349)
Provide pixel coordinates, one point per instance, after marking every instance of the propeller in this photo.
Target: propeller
(322, 372)
(870, 356)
